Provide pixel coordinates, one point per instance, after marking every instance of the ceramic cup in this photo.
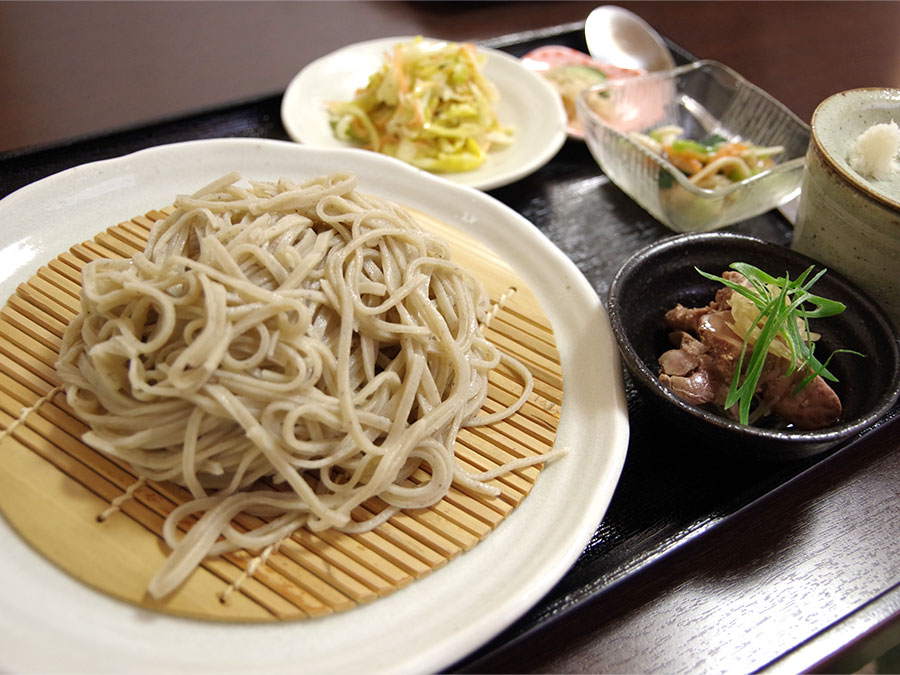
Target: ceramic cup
(846, 221)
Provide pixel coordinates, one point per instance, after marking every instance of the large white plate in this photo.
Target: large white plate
(527, 102)
(50, 622)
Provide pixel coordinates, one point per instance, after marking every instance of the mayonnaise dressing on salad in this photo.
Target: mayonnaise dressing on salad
(429, 105)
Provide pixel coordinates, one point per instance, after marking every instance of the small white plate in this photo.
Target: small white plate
(421, 628)
(527, 102)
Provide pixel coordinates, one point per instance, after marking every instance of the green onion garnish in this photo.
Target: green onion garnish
(782, 311)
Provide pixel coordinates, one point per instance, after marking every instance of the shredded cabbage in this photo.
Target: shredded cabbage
(429, 104)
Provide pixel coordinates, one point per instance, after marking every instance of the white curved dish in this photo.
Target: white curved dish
(527, 102)
(423, 627)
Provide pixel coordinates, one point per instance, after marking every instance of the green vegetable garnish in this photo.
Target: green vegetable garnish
(705, 146)
(664, 179)
(781, 304)
(713, 140)
(687, 145)
(586, 73)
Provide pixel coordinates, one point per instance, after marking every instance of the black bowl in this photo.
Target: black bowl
(658, 277)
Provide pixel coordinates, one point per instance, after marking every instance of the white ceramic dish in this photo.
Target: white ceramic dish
(527, 102)
(50, 622)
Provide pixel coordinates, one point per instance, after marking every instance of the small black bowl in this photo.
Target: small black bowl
(658, 277)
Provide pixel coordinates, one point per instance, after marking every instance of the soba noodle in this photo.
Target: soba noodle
(289, 351)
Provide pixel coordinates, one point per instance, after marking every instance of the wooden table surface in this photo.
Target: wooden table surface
(72, 68)
(806, 578)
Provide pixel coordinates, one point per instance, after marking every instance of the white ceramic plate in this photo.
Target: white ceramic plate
(527, 102)
(50, 622)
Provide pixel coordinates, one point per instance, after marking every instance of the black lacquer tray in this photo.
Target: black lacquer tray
(672, 489)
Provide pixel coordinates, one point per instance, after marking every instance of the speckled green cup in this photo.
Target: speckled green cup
(844, 220)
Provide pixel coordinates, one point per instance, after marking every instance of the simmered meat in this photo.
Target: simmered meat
(706, 350)
(813, 407)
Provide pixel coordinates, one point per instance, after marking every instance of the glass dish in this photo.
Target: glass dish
(704, 97)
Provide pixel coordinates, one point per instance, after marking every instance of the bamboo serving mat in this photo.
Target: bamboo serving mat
(96, 520)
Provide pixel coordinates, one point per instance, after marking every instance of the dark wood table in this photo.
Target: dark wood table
(802, 573)
(70, 68)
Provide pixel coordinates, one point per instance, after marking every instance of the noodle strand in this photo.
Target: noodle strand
(285, 351)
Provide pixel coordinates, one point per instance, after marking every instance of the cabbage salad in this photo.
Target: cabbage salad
(429, 104)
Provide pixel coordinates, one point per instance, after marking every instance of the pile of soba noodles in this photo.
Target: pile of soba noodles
(289, 351)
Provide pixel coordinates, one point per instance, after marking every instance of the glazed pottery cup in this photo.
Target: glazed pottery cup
(846, 221)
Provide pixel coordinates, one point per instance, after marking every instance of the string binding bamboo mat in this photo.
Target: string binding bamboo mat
(96, 520)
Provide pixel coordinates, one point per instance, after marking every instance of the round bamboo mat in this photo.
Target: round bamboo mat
(96, 520)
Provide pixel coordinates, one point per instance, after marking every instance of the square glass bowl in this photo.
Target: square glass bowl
(704, 97)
